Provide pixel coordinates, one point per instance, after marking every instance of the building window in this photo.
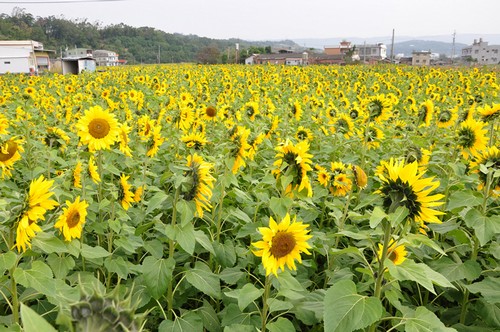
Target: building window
(6, 62)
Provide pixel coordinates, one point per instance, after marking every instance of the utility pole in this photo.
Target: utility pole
(453, 47)
(159, 54)
(364, 52)
(392, 47)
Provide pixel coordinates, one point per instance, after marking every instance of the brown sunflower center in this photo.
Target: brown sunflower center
(8, 150)
(73, 218)
(393, 255)
(211, 112)
(99, 128)
(283, 244)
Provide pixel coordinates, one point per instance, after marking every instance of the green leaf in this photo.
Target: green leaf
(424, 320)
(418, 272)
(398, 216)
(419, 239)
(39, 277)
(186, 211)
(190, 322)
(204, 241)
(281, 325)
(245, 295)
(209, 317)
(94, 252)
(186, 238)
(157, 274)
(489, 289)
(241, 215)
(231, 275)
(232, 315)
(204, 280)
(33, 322)
(485, 227)
(280, 206)
(117, 265)
(156, 201)
(225, 253)
(7, 261)
(378, 214)
(61, 265)
(346, 310)
(48, 243)
(463, 199)
(453, 271)
(278, 305)
(489, 313)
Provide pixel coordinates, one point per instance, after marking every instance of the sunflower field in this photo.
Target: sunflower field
(251, 198)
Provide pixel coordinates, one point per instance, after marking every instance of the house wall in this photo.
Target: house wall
(16, 59)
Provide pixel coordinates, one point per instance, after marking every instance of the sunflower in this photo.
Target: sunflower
(340, 185)
(93, 170)
(360, 178)
(38, 203)
(447, 117)
(98, 129)
(304, 134)
(201, 183)
(282, 244)
(372, 136)
(403, 185)
(55, 136)
(139, 191)
(420, 155)
(396, 253)
(71, 221)
(296, 110)
(4, 124)
(185, 118)
(294, 160)
(210, 113)
(123, 136)
(489, 158)
(343, 125)
(126, 195)
(323, 175)
(471, 137)
(195, 140)
(254, 145)
(9, 154)
(379, 108)
(155, 141)
(489, 113)
(77, 175)
(425, 113)
(242, 148)
(251, 109)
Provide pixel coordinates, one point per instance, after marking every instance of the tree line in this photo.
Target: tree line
(136, 45)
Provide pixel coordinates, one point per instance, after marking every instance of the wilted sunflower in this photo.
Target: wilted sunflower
(201, 183)
(396, 253)
(71, 221)
(9, 154)
(126, 195)
(282, 244)
(471, 137)
(98, 129)
(294, 160)
(490, 158)
(38, 203)
(403, 185)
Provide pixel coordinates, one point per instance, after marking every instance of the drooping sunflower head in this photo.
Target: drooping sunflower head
(426, 112)
(471, 137)
(404, 185)
(282, 244)
(294, 160)
(379, 108)
(343, 125)
(200, 183)
(489, 113)
(447, 117)
(296, 110)
(98, 129)
(360, 178)
(251, 110)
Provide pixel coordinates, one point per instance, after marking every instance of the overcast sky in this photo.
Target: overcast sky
(279, 19)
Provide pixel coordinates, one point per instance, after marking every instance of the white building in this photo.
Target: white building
(23, 56)
(371, 51)
(482, 53)
(106, 58)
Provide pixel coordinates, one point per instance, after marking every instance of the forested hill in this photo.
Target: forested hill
(136, 45)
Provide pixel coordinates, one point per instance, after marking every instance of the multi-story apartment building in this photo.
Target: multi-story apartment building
(106, 58)
(421, 58)
(78, 53)
(367, 52)
(482, 53)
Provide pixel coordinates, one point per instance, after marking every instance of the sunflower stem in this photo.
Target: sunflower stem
(171, 251)
(13, 283)
(265, 307)
(381, 268)
(465, 299)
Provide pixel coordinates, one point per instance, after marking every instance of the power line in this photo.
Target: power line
(56, 1)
